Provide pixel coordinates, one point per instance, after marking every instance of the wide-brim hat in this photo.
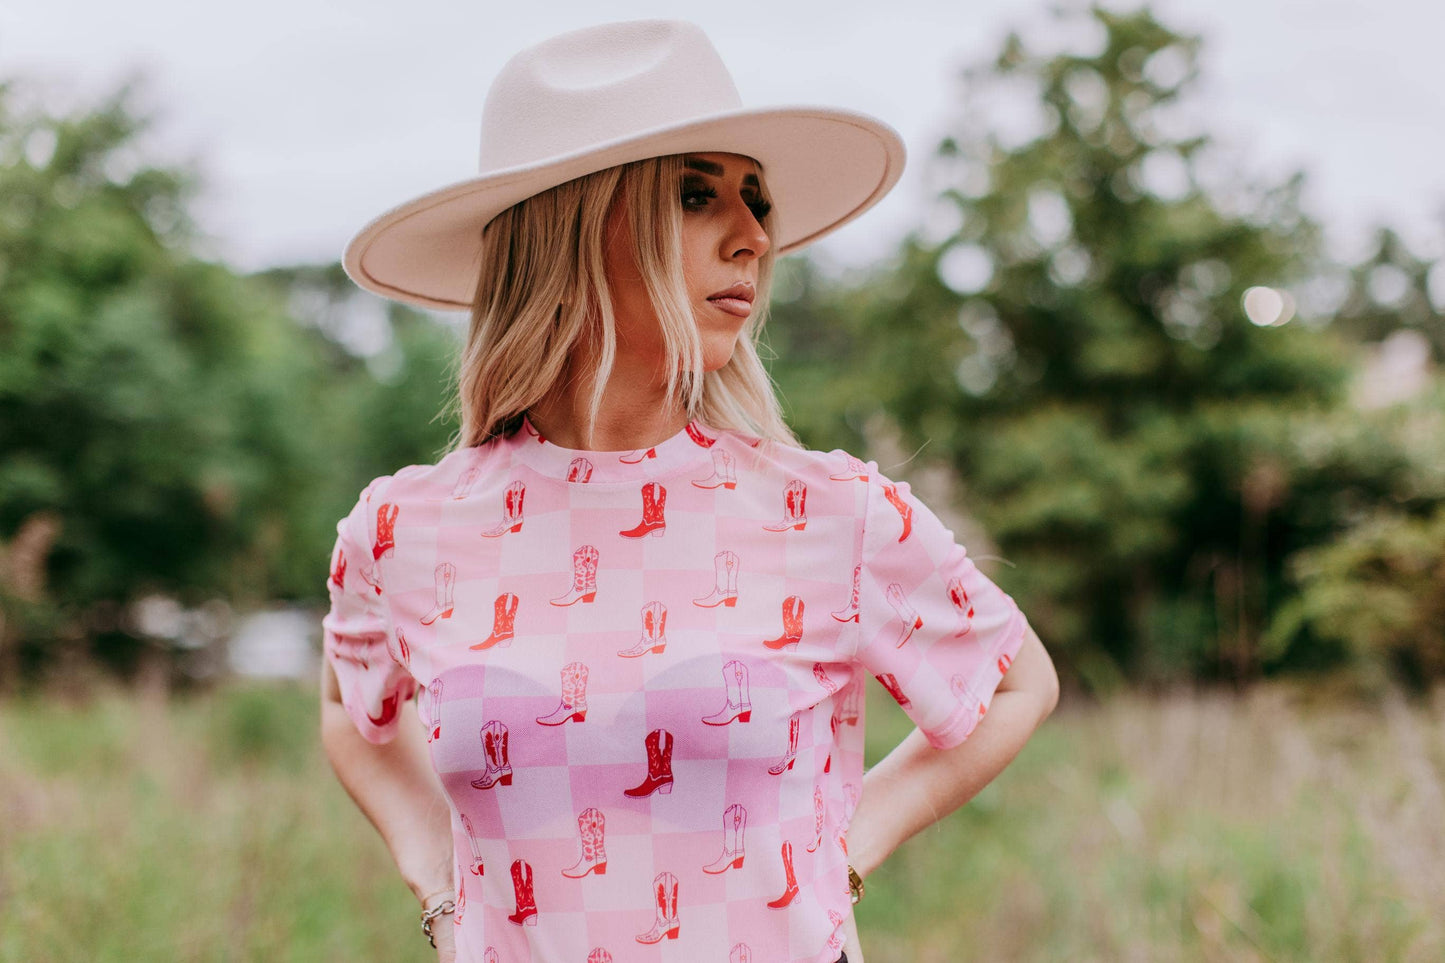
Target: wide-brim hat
(604, 95)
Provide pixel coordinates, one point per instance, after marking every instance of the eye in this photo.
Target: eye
(760, 208)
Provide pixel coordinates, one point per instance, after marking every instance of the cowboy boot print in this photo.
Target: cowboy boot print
(584, 577)
(494, 746)
(383, 546)
(958, 595)
(911, 619)
(476, 846)
(905, 511)
(654, 501)
(735, 676)
(659, 765)
(638, 455)
(965, 694)
(791, 893)
(573, 707)
(698, 437)
(786, 762)
(824, 680)
(338, 568)
(795, 496)
(890, 682)
(740, 953)
(654, 632)
(664, 891)
(724, 475)
(579, 471)
(817, 818)
(725, 582)
(599, 955)
(522, 882)
(465, 481)
(835, 941)
(590, 826)
(735, 824)
(792, 624)
(504, 622)
(445, 577)
(849, 612)
(851, 702)
(389, 707)
(401, 654)
(461, 901)
(856, 471)
(1004, 661)
(512, 517)
(429, 710)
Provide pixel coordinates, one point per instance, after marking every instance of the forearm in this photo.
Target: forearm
(916, 785)
(394, 786)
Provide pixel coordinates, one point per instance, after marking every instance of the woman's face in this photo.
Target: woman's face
(722, 240)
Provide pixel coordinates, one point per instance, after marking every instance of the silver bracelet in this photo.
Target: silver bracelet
(445, 906)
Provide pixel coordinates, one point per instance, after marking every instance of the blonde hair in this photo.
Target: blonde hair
(542, 296)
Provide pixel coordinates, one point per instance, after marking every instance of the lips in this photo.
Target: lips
(741, 291)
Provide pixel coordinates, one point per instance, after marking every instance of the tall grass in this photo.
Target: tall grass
(1276, 825)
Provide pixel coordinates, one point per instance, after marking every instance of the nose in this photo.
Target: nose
(745, 237)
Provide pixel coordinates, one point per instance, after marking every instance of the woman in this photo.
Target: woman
(637, 617)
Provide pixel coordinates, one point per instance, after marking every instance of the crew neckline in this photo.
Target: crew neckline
(690, 445)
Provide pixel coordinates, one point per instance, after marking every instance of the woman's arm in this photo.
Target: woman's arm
(394, 786)
(916, 785)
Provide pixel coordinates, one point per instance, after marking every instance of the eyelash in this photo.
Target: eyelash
(759, 208)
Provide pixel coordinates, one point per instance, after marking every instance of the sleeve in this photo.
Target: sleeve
(933, 629)
(356, 632)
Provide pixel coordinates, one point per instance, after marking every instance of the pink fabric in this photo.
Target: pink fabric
(641, 676)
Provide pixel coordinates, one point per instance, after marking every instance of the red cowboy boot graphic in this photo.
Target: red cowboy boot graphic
(579, 470)
(461, 902)
(526, 894)
(659, 765)
(465, 481)
(791, 893)
(735, 824)
(504, 621)
(476, 846)
(512, 520)
(384, 545)
(735, 675)
(795, 497)
(1004, 662)
(817, 819)
(599, 955)
(958, 595)
(664, 890)
(338, 569)
(792, 624)
(696, 434)
(890, 682)
(429, 709)
(445, 577)
(654, 500)
(849, 612)
(633, 457)
(856, 470)
(584, 577)
(849, 704)
(401, 654)
(389, 706)
(786, 762)
(725, 585)
(824, 680)
(591, 825)
(905, 511)
(833, 723)
(911, 619)
(494, 745)
(654, 632)
(724, 475)
(573, 707)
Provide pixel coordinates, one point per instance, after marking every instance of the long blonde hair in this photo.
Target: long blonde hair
(542, 295)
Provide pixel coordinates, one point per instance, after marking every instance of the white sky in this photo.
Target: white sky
(308, 118)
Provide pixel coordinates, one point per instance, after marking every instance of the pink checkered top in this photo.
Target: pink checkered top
(641, 679)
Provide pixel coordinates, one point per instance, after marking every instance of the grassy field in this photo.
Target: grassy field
(1280, 825)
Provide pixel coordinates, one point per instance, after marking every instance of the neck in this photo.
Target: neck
(631, 416)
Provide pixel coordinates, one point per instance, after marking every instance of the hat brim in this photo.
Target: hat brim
(823, 167)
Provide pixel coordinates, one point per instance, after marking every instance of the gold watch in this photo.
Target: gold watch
(855, 884)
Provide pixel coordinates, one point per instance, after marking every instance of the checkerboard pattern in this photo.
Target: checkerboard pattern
(641, 677)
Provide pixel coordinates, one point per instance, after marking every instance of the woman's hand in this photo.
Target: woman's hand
(850, 940)
(444, 932)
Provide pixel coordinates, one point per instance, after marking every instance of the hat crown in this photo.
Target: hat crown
(587, 87)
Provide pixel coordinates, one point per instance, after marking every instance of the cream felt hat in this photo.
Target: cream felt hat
(604, 95)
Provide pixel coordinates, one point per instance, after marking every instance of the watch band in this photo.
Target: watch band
(855, 884)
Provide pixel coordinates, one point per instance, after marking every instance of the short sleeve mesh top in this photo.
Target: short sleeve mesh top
(641, 679)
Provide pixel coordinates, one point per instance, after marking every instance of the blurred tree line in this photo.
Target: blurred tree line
(1140, 365)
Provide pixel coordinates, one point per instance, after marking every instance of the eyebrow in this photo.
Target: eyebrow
(716, 170)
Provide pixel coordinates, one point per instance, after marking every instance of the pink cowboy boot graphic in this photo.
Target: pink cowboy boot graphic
(735, 675)
(384, 545)
(584, 577)
(664, 889)
(504, 621)
(786, 762)
(654, 632)
(494, 745)
(522, 882)
(911, 619)
(817, 819)
(849, 612)
(890, 682)
(795, 497)
(835, 941)
(445, 577)
(654, 500)
(725, 585)
(476, 846)
(402, 653)
(735, 824)
(741, 953)
(905, 511)
(792, 624)
(724, 475)
(579, 471)
(465, 481)
(958, 595)
(856, 471)
(591, 826)
(965, 694)
(573, 707)
(512, 520)
(791, 893)
(429, 710)
(633, 457)
(848, 707)
(659, 765)
(697, 436)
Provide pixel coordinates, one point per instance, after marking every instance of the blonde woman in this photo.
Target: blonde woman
(634, 616)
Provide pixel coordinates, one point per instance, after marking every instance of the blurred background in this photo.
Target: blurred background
(1155, 321)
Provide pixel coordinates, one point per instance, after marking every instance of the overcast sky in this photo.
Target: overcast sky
(308, 118)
